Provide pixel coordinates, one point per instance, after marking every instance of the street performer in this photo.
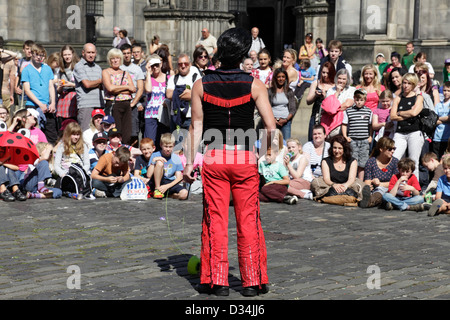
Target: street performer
(224, 101)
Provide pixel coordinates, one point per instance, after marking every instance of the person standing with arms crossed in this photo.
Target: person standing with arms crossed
(224, 101)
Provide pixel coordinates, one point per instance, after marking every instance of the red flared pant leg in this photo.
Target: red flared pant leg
(242, 180)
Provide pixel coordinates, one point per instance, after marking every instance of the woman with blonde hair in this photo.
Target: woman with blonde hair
(289, 60)
(370, 82)
(405, 109)
(71, 150)
(119, 88)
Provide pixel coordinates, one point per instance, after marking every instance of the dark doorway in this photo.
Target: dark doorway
(264, 19)
(290, 28)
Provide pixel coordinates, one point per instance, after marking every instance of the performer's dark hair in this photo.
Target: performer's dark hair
(232, 46)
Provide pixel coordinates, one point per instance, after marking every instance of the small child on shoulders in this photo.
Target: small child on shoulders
(442, 202)
(404, 189)
(275, 180)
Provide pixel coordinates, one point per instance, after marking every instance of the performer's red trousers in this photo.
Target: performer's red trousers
(235, 171)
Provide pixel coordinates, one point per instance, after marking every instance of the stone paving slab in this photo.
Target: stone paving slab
(139, 251)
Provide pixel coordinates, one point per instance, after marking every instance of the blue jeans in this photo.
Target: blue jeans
(286, 130)
(402, 203)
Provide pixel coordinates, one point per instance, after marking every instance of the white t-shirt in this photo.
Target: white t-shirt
(186, 80)
(307, 173)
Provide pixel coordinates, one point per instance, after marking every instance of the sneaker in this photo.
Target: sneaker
(7, 196)
(435, 207)
(364, 203)
(50, 182)
(19, 196)
(416, 207)
(389, 206)
(99, 193)
(290, 199)
(308, 195)
(158, 195)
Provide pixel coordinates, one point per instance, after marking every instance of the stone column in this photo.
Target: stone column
(312, 16)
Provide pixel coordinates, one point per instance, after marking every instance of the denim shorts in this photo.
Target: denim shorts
(361, 149)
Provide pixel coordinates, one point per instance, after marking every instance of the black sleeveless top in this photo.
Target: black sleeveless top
(411, 124)
(228, 106)
(339, 176)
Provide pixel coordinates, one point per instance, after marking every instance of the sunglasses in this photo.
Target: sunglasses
(203, 57)
(183, 64)
(155, 65)
(392, 149)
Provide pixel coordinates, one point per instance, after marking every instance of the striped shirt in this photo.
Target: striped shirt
(87, 98)
(358, 121)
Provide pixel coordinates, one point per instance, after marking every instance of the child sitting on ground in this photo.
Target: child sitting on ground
(111, 173)
(431, 162)
(8, 179)
(404, 189)
(274, 179)
(147, 147)
(299, 170)
(165, 171)
(99, 142)
(35, 176)
(442, 202)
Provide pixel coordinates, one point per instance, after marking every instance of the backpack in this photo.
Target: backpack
(76, 181)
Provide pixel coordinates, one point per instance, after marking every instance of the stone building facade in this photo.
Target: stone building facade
(366, 27)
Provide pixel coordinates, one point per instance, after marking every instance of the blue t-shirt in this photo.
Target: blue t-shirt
(442, 132)
(444, 186)
(311, 72)
(39, 82)
(171, 166)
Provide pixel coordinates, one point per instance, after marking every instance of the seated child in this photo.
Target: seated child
(111, 173)
(99, 141)
(299, 170)
(165, 171)
(431, 162)
(147, 147)
(442, 202)
(404, 189)
(35, 176)
(115, 141)
(275, 180)
(8, 179)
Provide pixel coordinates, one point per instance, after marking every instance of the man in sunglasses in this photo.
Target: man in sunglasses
(179, 91)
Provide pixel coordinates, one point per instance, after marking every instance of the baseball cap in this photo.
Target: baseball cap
(108, 119)
(447, 61)
(380, 55)
(33, 112)
(99, 136)
(97, 112)
(65, 123)
(114, 132)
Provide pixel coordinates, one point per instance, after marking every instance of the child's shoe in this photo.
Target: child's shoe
(158, 195)
(435, 207)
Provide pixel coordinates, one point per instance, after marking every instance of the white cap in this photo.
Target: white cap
(154, 61)
(33, 112)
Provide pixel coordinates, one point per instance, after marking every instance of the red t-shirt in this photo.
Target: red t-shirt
(412, 181)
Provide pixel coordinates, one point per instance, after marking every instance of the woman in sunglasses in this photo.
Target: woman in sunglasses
(379, 169)
(201, 59)
(155, 87)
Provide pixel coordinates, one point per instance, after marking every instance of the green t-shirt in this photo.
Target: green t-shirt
(408, 60)
(273, 171)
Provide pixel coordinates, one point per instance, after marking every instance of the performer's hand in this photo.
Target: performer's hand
(188, 173)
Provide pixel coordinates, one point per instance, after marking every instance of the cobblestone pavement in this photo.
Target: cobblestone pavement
(139, 250)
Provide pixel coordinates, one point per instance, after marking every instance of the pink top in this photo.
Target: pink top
(115, 80)
(373, 98)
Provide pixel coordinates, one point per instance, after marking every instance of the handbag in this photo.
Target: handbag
(427, 121)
